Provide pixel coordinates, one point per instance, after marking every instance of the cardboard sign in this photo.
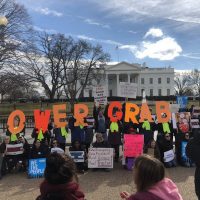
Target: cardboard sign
(169, 155)
(14, 149)
(100, 95)
(133, 145)
(174, 108)
(183, 119)
(183, 154)
(78, 156)
(182, 101)
(57, 150)
(196, 112)
(194, 123)
(100, 158)
(128, 90)
(36, 167)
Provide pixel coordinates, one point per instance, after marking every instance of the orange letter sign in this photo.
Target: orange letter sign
(42, 119)
(118, 113)
(12, 116)
(145, 113)
(80, 112)
(59, 115)
(131, 115)
(162, 107)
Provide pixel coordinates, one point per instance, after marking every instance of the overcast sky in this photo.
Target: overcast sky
(158, 32)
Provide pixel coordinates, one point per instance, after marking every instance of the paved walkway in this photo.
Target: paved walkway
(96, 185)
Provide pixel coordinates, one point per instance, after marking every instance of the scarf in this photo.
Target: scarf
(166, 128)
(114, 127)
(146, 126)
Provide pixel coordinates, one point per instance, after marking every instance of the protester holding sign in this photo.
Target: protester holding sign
(39, 150)
(151, 184)
(167, 155)
(100, 143)
(59, 179)
(146, 128)
(26, 152)
(89, 132)
(60, 136)
(56, 148)
(76, 146)
(114, 138)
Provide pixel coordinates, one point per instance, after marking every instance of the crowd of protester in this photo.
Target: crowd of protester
(108, 135)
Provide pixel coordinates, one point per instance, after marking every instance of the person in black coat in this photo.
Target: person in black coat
(166, 144)
(100, 143)
(192, 151)
(39, 150)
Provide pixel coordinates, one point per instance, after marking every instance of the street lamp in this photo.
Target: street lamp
(3, 21)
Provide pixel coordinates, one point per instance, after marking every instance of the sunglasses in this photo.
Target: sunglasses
(167, 136)
(187, 135)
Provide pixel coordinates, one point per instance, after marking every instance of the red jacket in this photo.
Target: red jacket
(68, 191)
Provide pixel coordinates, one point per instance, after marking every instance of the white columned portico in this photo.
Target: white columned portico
(117, 84)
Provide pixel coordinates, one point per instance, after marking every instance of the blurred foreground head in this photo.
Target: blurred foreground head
(60, 169)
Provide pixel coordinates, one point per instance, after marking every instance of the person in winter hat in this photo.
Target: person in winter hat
(151, 184)
(59, 184)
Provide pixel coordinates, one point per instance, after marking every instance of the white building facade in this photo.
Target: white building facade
(154, 81)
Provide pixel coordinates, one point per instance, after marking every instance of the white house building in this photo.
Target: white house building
(154, 81)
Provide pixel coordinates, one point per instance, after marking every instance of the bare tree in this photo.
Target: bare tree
(182, 85)
(194, 81)
(16, 86)
(82, 68)
(42, 63)
(16, 34)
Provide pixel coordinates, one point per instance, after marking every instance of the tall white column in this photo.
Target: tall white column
(117, 84)
(129, 78)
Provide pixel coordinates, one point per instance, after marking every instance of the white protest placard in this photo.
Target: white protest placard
(174, 108)
(196, 112)
(194, 123)
(100, 158)
(169, 155)
(128, 90)
(14, 149)
(100, 95)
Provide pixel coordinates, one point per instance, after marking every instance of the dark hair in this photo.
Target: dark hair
(148, 172)
(60, 169)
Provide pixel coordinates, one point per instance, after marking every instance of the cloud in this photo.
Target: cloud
(133, 32)
(52, 31)
(185, 11)
(84, 37)
(192, 55)
(47, 11)
(93, 22)
(165, 48)
(131, 48)
(154, 32)
(110, 42)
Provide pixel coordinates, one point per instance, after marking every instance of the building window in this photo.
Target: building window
(168, 80)
(159, 80)
(168, 92)
(90, 93)
(110, 93)
(142, 91)
(142, 80)
(159, 92)
(151, 80)
(151, 92)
